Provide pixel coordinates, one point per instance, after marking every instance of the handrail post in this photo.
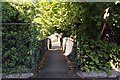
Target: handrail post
(76, 40)
(33, 45)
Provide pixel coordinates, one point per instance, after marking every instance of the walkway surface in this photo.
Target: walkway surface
(55, 65)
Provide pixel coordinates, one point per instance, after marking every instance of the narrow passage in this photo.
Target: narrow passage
(55, 65)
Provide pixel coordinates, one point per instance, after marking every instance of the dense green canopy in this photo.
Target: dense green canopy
(86, 19)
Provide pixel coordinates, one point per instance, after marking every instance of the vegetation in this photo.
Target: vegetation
(98, 38)
(18, 40)
(97, 55)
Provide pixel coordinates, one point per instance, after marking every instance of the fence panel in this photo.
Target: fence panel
(21, 49)
(16, 53)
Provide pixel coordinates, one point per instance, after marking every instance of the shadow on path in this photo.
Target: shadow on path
(55, 65)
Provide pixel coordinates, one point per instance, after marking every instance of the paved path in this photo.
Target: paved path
(56, 65)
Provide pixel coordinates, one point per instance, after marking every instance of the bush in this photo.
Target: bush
(97, 55)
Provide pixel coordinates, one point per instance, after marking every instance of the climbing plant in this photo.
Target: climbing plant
(97, 38)
(97, 54)
(18, 37)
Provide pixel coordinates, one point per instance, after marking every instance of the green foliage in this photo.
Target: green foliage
(97, 55)
(18, 41)
(8, 10)
(16, 48)
(16, 12)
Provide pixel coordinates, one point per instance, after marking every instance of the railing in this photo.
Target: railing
(44, 46)
(16, 48)
(73, 54)
(21, 49)
(75, 57)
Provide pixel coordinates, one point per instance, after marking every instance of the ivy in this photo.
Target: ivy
(49, 17)
(97, 55)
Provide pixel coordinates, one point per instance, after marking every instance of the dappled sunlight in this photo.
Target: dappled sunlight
(46, 38)
(113, 65)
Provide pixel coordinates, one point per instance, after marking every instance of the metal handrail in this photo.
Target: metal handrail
(73, 56)
(16, 23)
(43, 43)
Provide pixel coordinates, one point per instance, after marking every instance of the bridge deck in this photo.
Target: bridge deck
(55, 65)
